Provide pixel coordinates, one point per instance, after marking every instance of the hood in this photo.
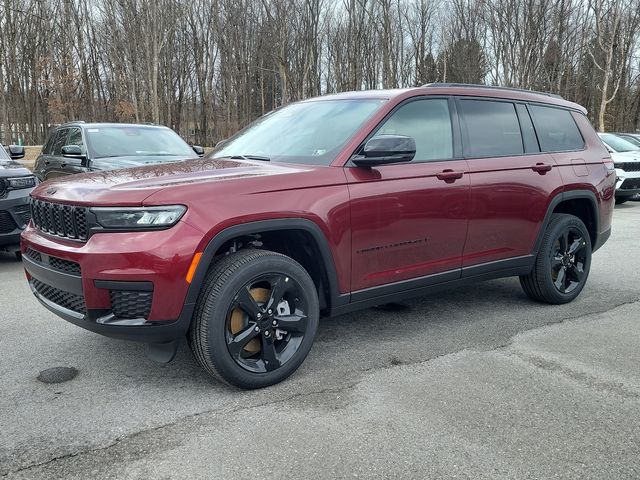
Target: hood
(131, 186)
(111, 163)
(619, 157)
(10, 168)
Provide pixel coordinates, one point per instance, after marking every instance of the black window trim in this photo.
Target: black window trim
(527, 103)
(455, 131)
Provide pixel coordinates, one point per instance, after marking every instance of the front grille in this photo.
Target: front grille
(629, 166)
(6, 222)
(70, 301)
(61, 220)
(60, 264)
(630, 184)
(33, 255)
(131, 303)
(63, 265)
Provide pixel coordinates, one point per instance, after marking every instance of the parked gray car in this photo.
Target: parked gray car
(80, 147)
(16, 182)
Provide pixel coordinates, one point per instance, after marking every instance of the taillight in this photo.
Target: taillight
(608, 164)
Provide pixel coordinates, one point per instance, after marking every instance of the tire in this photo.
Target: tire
(558, 276)
(18, 255)
(620, 201)
(232, 333)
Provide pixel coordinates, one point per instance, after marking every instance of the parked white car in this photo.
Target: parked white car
(626, 159)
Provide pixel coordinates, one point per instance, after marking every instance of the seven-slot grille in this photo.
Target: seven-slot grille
(58, 219)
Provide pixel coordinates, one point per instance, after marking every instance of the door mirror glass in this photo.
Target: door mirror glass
(383, 149)
(16, 152)
(73, 151)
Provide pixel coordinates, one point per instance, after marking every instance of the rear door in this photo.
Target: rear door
(512, 182)
(409, 220)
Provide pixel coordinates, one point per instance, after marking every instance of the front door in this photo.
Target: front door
(409, 220)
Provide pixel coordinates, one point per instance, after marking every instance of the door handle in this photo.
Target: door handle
(64, 164)
(47, 162)
(541, 168)
(449, 175)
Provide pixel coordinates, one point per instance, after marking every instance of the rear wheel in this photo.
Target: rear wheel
(620, 201)
(255, 320)
(562, 266)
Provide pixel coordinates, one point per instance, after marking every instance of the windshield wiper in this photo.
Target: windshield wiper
(250, 157)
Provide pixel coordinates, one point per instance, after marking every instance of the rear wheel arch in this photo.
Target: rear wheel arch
(579, 203)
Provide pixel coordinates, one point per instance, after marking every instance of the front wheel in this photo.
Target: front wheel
(562, 266)
(255, 319)
(620, 201)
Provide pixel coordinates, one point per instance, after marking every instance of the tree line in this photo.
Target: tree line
(209, 67)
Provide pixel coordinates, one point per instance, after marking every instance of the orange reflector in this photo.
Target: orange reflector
(193, 266)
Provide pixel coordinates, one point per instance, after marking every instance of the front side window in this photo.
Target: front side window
(557, 131)
(426, 121)
(3, 155)
(492, 127)
(107, 141)
(75, 137)
(306, 132)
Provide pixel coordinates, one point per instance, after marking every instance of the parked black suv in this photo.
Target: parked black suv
(79, 147)
(16, 182)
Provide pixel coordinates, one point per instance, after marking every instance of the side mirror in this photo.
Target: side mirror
(199, 150)
(16, 152)
(72, 151)
(383, 149)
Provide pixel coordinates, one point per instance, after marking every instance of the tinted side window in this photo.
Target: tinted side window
(428, 122)
(59, 142)
(557, 131)
(75, 137)
(48, 147)
(492, 129)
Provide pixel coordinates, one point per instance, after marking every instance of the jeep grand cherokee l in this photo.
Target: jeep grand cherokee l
(323, 207)
(16, 182)
(79, 147)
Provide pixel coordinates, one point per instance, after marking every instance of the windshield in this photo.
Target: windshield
(306, 132)
(618, 144)
(135, 141)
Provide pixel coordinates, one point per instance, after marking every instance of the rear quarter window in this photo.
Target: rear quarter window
(556, 129)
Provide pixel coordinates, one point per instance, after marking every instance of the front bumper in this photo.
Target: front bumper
(627, 183)
(128, 285)
(14, 215)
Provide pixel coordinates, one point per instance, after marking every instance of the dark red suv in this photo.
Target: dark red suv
(320, 208)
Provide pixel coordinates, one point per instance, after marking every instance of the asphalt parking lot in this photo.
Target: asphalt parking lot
(474, 383)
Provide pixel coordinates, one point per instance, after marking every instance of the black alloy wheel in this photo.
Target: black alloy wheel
(255, 319)
(562, 264)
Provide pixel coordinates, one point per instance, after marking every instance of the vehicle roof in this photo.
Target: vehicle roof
(457, 89)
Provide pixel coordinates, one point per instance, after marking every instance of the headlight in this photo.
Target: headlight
(17, 183)
(138, 217)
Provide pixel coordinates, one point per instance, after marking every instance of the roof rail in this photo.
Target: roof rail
(492, 87)
(72, 122)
